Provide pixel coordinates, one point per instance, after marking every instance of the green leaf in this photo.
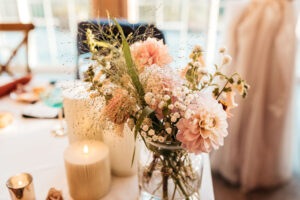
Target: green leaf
(145, 113)
(216, 91)
(246, 86)
(165, 111)
(228, 89)
(130, 66)
(189, 75)
(220, 74)
(231, 80)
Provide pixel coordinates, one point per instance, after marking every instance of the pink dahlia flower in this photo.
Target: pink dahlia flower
(206, 128)
(149, 52)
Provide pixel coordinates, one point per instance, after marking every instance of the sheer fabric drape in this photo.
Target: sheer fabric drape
(257, 152)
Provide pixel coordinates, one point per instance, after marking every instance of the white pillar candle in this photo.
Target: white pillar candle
(88, 169)
(121, 149)
(82, 112)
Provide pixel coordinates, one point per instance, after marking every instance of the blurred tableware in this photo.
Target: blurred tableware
(26, 97)
(5, 119)
(20, 187)
(52, 97)
(38, 89)
(7, 88)
(40, 110)
(88, 169)
(26, 94)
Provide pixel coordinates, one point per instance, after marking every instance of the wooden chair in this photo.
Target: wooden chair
(25, 28)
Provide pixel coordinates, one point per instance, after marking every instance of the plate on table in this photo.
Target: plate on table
(27, 94)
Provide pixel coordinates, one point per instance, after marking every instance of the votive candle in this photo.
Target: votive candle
(20, 187)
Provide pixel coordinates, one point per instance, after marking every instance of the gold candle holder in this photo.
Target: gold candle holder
(20, 187)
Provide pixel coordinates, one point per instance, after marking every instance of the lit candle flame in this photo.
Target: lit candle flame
(20, 182)
(85, 149)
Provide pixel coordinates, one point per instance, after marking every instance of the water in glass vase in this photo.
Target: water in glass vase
(169, 173)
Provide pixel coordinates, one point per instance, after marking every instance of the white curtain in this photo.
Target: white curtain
(261, 40)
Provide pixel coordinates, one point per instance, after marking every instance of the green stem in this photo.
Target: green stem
(154, 191)
(177, 180)
(165, 178)
(222, 90)
(152, 166)
(174, 192)
(226, 84)
(180, 185)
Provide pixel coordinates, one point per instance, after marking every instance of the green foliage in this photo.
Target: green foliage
(130, 66)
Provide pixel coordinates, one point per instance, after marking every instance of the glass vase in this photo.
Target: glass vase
(168, 172)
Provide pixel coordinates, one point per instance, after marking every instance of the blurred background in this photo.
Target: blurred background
(52, 48)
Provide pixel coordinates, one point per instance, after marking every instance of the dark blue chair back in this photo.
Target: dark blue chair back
(137, 29)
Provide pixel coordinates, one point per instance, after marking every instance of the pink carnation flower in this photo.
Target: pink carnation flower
(149, 52)
(206, 129)
(120, 107)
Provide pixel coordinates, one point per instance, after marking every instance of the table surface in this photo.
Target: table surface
(26, 145)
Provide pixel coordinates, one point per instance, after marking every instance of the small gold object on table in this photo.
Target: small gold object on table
(88, 169)
(20, 187)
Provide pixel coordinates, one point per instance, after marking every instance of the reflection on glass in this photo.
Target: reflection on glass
(53, 98)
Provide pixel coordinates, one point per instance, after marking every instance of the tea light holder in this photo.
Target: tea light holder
(20, 187)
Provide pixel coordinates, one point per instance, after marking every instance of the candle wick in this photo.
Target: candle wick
(85, 149)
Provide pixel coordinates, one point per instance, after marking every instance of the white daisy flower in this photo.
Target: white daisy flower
(173, 119)
(161, 104)
(177, 104)
(153, 102)
(145, 127)
(171, 106)
(166, 97)
(176, 115)
(143, 133)
(151, 132)
(155, 138)
(148, 97)
(161, 139)
(169, 130)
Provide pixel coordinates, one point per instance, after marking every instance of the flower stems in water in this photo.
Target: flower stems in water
(173, 165)
(165, 177)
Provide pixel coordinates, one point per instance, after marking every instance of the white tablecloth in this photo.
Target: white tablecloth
(27, 146)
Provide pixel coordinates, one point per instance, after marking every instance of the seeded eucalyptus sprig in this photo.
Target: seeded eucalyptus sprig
(200, 78)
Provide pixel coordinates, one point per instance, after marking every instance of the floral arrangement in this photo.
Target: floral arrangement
(187, 109)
